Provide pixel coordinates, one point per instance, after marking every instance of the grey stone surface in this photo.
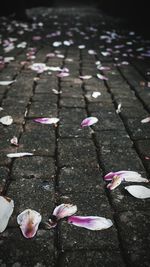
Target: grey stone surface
(69, 162)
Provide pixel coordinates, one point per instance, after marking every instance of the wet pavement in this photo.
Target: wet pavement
(69, 162)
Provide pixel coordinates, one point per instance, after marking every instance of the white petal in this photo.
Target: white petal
(6, 210)
(14, 141)
(96, 94)
(130, 176)
(19, 155)
(6, 82)
(64, 210)
(6, 120)
(138, 191)
(29, 221)
(146, 120)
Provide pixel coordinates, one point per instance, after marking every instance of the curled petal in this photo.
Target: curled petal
(29, 221)
(138, 191)
(116, 181)
(90, 222)
(64, 210)
(85, 77)
(47, 120)
(62, 74)
(89, 121)
(6, 210)
(6, 82)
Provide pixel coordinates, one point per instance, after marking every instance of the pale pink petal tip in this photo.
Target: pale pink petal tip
(94, 223)
(89, 121)
(6, 210)
(47, 120)
(29, 221)
(64, 210)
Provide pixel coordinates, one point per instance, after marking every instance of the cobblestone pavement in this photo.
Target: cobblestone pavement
(69, 162)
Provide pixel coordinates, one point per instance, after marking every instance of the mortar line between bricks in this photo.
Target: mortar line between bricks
(57, 232)
(102, 168)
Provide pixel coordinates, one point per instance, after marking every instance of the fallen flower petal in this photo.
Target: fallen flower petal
(118, 110)
(127, 176)
(62, 74)
(6, 82)
(47, 120)
(85, 77)
(102, 77)
(14, 141)
(29, 221)
(39, 67)
(64, 210)
(96, 94)
(138, 191)
(6, 120)
(60, 212)
(19, 155)
(6, 210)
(90, 222)
(145, 120)
(89, 121)
(115, 182)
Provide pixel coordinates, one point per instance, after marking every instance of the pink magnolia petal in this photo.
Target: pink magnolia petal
(89, 121)
(62, 74)
(64, 210)
(90, 222)
(116, 181)
(102, 77)
(138, 191)
(47, 120)
(126, 176)
(29, 221)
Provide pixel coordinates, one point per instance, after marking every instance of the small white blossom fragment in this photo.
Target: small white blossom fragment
(102, 77)
(94, 223)
(47, 120)
(19, 155)
(57, 44)
(6, 210)
(85, 77)
(146, 120)
(56, 92)
(138, 191)
(14, 141)
(6, 120)
(6, 82)
(96, 94)
(118, 110)
(89, 121)
(91, 52)
(81, 46)
(29, 221)
(8, 59)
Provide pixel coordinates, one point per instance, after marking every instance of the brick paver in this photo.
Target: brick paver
(68, 162)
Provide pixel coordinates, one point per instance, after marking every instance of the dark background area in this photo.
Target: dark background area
(135, 12)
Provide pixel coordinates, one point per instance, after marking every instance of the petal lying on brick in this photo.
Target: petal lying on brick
(47, 120)
(89, 121)
(6, 210)
(138, 191)
(29, 221)
(90, 222)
